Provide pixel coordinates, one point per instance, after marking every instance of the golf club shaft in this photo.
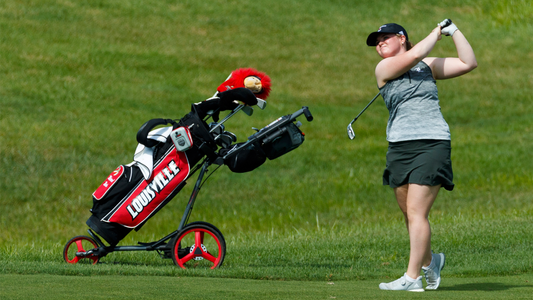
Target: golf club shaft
(375, 97)
(235, 110)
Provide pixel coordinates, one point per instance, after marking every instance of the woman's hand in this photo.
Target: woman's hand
(450, 67)
(447, 27)
(437, 32)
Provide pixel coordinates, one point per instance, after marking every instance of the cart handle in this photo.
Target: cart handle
(307, 113)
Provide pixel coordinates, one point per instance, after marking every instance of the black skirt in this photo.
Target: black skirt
(424, 162)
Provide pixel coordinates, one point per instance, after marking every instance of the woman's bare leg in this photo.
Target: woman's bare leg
(415, 201)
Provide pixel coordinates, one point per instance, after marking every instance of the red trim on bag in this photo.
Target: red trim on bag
(108, 183)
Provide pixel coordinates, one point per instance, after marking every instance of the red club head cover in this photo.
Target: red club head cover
(258, 82)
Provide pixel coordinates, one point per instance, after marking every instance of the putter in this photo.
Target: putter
(351, 133)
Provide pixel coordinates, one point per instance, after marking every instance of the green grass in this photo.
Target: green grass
(150, 287)
(78, 78)
(475, 248)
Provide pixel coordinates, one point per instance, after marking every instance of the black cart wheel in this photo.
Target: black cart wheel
(79, 249)
(199, 244)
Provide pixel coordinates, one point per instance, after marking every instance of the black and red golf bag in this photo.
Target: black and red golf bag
(165, 156)
(133, 193)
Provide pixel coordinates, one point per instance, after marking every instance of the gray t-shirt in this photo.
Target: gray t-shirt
(413, 103)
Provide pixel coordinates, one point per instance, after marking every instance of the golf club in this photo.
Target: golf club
(351, 133)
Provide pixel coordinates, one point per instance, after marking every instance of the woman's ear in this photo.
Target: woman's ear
(403, 39)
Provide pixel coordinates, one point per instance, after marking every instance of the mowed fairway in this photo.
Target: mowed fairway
(78, 79)
(150, 287)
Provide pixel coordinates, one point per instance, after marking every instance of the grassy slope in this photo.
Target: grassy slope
(79, 77)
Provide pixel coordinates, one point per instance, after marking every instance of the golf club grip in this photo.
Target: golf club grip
(307, 114)
(448, 23)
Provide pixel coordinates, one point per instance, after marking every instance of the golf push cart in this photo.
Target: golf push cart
(165, 159)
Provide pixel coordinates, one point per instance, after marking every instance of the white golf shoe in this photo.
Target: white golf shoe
(432, 272)
(402, 284)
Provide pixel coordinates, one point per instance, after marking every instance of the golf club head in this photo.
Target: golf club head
(248, 110)
(351, 133)
(261, 103)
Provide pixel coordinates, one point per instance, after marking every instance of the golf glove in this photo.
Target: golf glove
(450, 29)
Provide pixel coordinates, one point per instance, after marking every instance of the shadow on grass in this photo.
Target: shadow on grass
(483, 286)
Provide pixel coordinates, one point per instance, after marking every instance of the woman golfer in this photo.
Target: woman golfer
(418, 157)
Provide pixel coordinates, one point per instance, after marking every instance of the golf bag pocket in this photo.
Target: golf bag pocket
(246, 160)
(284, 140)
(108, 184)
(116, 187)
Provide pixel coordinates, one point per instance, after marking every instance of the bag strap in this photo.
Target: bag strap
(142, 134)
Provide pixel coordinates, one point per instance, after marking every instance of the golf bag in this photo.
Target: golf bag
(133, 193)
(164, 158)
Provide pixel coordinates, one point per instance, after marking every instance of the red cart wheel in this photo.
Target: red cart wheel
(77, 250)
(199, 244)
